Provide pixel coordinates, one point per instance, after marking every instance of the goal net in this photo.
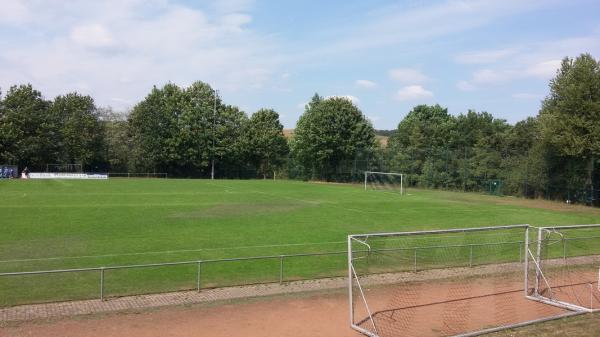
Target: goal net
(387, 181)
(64, 168)
(441, 283)
(564, 267)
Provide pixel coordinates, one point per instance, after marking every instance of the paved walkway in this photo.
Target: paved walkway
(72, 308)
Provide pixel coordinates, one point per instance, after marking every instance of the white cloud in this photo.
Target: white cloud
(395, 24)
(482, 57)
(365, 84)
(527, 96)
(413, 92)
(235, 21)
(465, 86)
(539, 69)
(544, 69)
(92, 35)
(490, 76)
(119, 49)
(407, 75)
(14, 12)
(351, 98)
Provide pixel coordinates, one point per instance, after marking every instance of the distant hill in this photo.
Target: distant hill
(288, 133)
(385, 133)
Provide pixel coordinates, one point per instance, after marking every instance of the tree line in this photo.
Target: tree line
(187, 132)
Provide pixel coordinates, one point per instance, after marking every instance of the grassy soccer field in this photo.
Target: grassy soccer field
(76, 224)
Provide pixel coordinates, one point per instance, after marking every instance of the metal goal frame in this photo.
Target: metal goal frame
(529, 257)
(395, 174)
(539, 277)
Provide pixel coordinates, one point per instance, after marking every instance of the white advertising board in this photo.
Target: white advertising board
(59, 175)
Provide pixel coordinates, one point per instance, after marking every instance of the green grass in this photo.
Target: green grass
(76, 224)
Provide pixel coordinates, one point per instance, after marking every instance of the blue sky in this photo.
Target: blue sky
(387, 56)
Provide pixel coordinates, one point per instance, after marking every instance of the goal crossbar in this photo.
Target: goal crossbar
(391, 174)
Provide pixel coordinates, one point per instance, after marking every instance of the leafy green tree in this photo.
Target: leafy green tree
(81, 136)
(184, 130)
(418, 146)
(154, 127)
(229, 146)
(570, 114)
(266, 145)
(329, 135)
(484, 138)
(30, 136)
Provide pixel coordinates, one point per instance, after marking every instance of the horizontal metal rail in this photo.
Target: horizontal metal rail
(161, 264)
(281, 257)
(264, 257)
(571, 226)
(249, 258)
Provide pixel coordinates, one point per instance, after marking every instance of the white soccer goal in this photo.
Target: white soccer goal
(471, 281)
(564, 267)
(388, 181)
(455, 282)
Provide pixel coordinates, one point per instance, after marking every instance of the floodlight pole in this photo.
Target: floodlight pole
(212, 161)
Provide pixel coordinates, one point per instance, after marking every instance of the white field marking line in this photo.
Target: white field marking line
(172, 251)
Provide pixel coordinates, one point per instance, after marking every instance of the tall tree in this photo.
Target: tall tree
(266, 145)
(153, 125)
(30, 135)
(421, 138)
(570, 114)
(81, 133)
(329, 134)
(185, 130)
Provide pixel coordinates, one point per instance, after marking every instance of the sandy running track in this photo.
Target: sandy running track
(314, 315)
(429, 303)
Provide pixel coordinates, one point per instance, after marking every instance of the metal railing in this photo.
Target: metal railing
(419, 263)
(199, 263)
(137, 175)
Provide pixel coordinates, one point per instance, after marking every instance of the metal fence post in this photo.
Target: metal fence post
(281, 269)
(101, 283)
(198, 276)
(470, 255)
(520, 252)
(564, 249)
(415, 266)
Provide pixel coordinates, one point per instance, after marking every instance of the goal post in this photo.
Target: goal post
(564, 267)
(390, 181)
(397, 280)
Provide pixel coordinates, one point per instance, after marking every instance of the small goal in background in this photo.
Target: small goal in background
(387, 181)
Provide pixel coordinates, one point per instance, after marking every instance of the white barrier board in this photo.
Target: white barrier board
(59, 175)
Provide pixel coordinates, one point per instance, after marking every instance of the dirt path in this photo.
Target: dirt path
(323, 315)
(412, 309)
